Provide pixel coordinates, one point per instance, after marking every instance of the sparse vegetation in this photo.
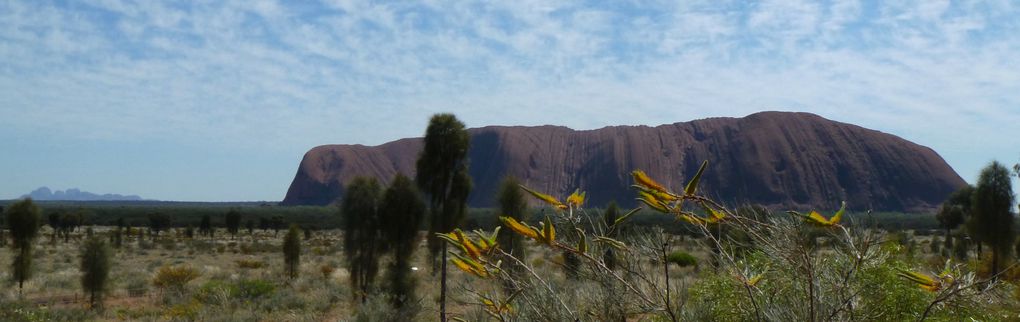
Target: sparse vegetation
(681, 257)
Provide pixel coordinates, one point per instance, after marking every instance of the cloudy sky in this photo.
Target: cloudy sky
(219, 100)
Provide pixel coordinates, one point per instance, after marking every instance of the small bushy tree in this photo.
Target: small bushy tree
(512, 204)
(157, 223)
(68, 222)
(359, 209)
(292, 251)
(95, 268)
(233, 220)
(23, 221)
(955, 210)
(205, 226)
(403, 210)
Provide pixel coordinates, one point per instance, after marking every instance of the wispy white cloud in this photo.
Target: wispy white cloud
(281, 77)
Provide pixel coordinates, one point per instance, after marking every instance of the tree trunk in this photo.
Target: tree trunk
(442, 287)
(995, 261)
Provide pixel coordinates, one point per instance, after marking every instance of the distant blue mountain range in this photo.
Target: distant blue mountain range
(73, 194)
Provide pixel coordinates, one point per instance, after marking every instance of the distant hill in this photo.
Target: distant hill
(73, 194)
(778, 159)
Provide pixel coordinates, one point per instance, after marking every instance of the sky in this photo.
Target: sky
(219, 100)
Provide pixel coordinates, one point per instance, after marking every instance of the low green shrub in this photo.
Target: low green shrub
(682, 259)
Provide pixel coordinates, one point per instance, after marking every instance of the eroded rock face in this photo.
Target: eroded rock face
(777, 159)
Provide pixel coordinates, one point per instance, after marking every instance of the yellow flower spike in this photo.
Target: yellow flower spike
(463, 266)
(643, 179)
(469, 265)
(469, 247)
(817, 219)
(651, 201)
(714, 215)
(547, 198)
(712, 218)
(576, 199)
(753, 281)
(520, 228)
(926, 282)
(664, 196)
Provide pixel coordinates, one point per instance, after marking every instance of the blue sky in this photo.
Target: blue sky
(219, 100)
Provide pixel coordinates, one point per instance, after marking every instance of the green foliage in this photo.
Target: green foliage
(95, 268)
(403, 210)
(992, 217)
(955, 210)
(512, 204)
(681, 259)
(292, 251)
(23, 221)
(442, 175)
(233, 221)
(359, 209)
(253, 289)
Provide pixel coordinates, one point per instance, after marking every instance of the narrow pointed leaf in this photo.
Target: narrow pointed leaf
(626, 216)
(520, 228)
(548, 231)
(692, 186)
(582, 241)
(544, 197)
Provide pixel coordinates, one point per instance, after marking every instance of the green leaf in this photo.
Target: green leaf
(582, 241)
(692, 185)
(625, 217)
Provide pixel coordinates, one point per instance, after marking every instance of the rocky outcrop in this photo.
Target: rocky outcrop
(777, 159)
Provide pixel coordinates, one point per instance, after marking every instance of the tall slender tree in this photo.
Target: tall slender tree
(233, 221)
(23, 220)
(95, 268)
(403, 210)
(359, 209)
(442, 175)
(992, 212)
(53, 219)
(292, 251)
